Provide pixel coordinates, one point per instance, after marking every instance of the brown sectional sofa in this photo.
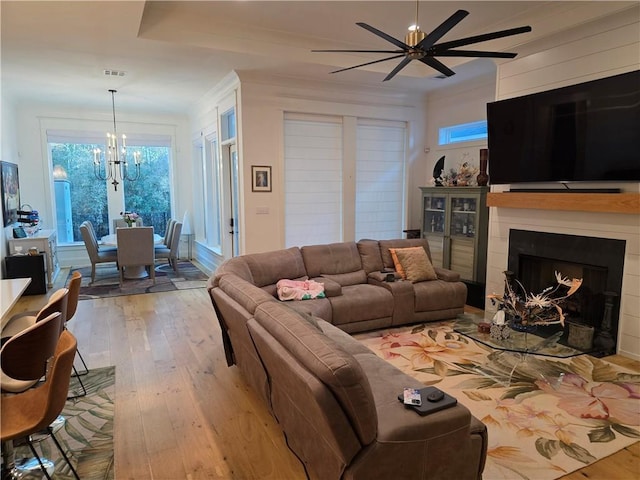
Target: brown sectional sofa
(336, 400)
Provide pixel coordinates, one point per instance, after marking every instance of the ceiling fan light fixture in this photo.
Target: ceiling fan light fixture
(414, 37)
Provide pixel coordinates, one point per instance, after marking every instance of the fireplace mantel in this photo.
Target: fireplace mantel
(628, 203)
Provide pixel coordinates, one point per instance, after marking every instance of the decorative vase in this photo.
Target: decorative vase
(482, 177)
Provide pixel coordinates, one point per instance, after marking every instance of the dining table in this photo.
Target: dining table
(133, 272)
(10, 292)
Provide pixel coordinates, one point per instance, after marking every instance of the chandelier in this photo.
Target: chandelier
(115, 156)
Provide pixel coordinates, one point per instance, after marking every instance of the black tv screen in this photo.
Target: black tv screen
(589, 132)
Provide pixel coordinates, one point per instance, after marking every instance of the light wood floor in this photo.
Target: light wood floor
(181, 413)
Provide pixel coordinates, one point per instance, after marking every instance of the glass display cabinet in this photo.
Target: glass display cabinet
(455, 222)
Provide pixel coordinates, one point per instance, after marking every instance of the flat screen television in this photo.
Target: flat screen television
(589, 132)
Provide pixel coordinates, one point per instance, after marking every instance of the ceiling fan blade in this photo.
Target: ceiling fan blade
(361, 51)
(381, 34)
(368, 63)
(442, 29)
(480, 38)
(437, 65)
(399, 67)
(474, 53)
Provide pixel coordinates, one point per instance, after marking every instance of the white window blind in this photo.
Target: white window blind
(313, 179)
(380, 172)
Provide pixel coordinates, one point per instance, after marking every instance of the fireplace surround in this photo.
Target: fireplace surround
(534, 256)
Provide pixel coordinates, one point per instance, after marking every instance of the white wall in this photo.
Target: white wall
(595, 50)
(9, 153)
(263, 104)
(32, 120)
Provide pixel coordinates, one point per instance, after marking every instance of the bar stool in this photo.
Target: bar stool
(32, 411)
(24, 360)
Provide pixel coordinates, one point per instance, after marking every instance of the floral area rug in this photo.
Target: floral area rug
(87, 434)
(107, 282)
(546, 417)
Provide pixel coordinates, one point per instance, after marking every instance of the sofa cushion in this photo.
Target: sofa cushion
(370, 255)
(361, 302)
(237, 265)
(318, 307)
(326, 360)
(346, 279)
(269, 267)
(439, 295)
(331, 287)
(243, 292)
(331, 259)
(415, 264)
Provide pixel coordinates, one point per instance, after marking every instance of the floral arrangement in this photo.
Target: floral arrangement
(129, 217)
(535, 309)
(464, 176)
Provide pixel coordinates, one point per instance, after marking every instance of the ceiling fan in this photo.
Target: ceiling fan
(418, 45)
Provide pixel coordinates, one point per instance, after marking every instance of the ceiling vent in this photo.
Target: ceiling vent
(114, 73)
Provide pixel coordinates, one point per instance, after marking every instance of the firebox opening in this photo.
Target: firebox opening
(534, 257)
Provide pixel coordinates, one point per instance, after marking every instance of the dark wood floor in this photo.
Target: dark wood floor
(181, 413)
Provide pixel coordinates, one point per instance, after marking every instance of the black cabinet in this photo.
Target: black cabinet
(28, 266)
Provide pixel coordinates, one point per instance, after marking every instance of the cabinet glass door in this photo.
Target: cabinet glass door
(434, 226)
(434, 208)
(463, 214)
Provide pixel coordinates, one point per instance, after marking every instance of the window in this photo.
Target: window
(380, 179)
(313, 180)
(81, 196)
(211, 193)
(464, 132)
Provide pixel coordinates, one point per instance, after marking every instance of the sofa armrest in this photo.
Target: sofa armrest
(449, 436)
(447, 275)
(331, 287)
(380, 276)
(403, 296)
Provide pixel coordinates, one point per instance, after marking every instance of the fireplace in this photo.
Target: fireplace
(534, 257)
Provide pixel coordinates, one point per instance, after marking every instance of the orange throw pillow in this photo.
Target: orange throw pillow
(396, 263)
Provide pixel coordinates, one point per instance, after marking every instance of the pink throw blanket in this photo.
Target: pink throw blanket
(299, 289)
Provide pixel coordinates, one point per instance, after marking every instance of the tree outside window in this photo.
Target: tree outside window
(81, 196)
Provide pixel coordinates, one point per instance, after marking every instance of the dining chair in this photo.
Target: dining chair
(92, 229)
(171, 252)
(95, 255)
(33, 411)
(167, 233)
(136, 249)
(120, 223)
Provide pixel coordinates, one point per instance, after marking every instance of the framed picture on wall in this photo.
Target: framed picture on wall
(10, 188)
(260, 178)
